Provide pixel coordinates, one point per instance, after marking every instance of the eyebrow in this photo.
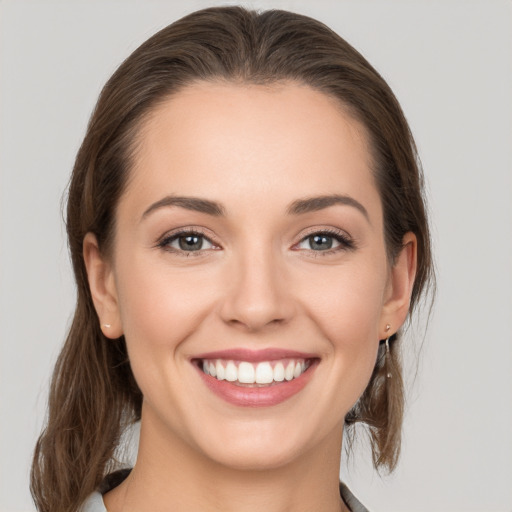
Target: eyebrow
(313, 204)
(189, 203)
(298, 207)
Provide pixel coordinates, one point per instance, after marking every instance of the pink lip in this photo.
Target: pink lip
(255, 356)
(265, 396)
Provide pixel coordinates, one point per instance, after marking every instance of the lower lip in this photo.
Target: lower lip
(265, 396)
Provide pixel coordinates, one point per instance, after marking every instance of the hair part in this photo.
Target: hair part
(93, 393)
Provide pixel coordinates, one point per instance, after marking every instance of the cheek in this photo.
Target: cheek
(160, 312)
(348, 313)
(157, 307)
(347, 302)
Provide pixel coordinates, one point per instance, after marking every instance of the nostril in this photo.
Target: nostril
(253, 324)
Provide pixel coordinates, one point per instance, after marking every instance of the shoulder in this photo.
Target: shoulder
(350, 500)
(94, 503)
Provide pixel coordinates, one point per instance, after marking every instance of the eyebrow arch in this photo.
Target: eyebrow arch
(313, 204)
(190, 203)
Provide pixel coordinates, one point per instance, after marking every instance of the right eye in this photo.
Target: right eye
(187, 242)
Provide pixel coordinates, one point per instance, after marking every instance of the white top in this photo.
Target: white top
(94, 502)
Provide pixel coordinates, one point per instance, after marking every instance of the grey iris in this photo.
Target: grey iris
(191, 242)
(320, 242)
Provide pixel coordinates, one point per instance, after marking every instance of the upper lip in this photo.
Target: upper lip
(255, 356)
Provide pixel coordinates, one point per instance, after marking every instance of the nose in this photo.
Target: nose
(257, 295)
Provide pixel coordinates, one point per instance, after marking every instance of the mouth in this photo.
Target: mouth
(248, 374)
(255, 379)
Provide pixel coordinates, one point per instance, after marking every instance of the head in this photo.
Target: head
(222, 53)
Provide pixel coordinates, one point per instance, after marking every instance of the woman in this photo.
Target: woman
(248, 236)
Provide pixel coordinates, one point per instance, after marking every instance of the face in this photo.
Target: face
(249, 273)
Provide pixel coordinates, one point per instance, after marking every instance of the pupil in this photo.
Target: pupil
(321, 242)
(191, 242)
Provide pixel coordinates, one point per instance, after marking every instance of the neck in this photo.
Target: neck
(170, 475)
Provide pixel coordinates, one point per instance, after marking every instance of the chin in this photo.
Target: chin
(257, 445)
(254, 456)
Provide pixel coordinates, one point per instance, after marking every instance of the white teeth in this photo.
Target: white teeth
(246, 373)
(279, 372)
(262, 373)
(288, 373)
(220, 371)
(231, 372)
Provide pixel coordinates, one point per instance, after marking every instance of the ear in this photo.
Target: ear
(103, 288)
(399, 286)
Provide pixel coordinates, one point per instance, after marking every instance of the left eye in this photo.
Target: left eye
(188, 242)
(320, 242)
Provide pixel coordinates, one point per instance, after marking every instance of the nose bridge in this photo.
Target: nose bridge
(256, 295)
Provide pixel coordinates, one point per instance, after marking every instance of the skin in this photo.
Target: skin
(258, 284)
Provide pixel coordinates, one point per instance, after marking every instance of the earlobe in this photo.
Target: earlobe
(400, 285)
(103, 288)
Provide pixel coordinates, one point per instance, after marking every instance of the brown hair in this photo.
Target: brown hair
(93, 395)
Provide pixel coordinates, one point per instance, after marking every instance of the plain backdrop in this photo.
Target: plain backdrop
(450, 65)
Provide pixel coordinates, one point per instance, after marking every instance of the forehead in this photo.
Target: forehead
(229, 141)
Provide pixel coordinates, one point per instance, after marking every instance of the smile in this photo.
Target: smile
(261, 378)
(263, 373)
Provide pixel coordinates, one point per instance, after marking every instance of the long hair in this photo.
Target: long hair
(93, 394)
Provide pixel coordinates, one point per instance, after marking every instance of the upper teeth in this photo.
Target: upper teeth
(264, 372)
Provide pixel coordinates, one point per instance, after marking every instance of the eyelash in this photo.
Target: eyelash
(345, 242)
(165, 242)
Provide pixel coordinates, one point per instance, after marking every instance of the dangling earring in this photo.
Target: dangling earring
(387, 355)
(388, 375)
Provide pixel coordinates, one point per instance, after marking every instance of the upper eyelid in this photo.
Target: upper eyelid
(195, 230)
(330, 230)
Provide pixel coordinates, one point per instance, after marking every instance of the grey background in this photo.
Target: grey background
(450, 64)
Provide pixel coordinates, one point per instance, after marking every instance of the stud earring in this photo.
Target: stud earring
(107, 326)
(388, 327)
